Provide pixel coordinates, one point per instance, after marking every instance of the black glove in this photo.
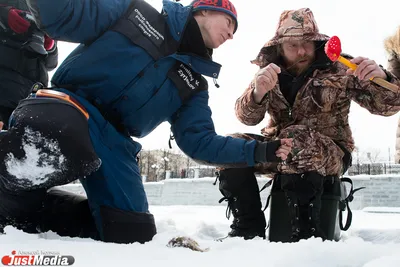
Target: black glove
(265, 152)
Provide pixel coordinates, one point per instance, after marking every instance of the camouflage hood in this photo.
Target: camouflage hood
(294, 25)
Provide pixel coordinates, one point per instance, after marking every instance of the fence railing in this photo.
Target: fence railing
(374, 168)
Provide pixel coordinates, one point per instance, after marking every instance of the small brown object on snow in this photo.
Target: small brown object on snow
(186, 242)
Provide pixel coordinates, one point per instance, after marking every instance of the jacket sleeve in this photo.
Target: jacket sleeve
(51, 61)
(374, 98)
(194, 133)
(247, 110)
(76, 21)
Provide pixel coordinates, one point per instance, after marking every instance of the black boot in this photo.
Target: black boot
(37, 211)
(303, 194)
(20, 209)
(67, 214)
(239, 187)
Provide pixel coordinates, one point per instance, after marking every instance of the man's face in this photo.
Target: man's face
(216, 27)
(298, 55)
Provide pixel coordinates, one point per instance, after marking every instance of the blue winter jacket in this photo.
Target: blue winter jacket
(107, 72)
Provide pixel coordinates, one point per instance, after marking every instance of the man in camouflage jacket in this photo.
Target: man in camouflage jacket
(307, 98)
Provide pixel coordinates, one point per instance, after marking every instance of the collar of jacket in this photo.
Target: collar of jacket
(192, 42)
(178, 17)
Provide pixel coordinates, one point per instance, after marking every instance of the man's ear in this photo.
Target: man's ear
(200, 13)
(204, 12)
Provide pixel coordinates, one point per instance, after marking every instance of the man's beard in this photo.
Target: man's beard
(297, 68)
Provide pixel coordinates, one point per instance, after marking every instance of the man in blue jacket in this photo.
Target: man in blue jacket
(26, 55)
(135, 68)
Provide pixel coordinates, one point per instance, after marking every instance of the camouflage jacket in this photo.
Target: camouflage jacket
(322, 104)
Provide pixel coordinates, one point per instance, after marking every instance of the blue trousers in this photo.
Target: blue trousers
(118, 182)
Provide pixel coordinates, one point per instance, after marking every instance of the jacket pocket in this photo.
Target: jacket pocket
(326, 92)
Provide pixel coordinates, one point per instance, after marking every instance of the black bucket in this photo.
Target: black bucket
(279, 221)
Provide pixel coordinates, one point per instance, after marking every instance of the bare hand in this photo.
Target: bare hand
(1, 125)
(367, 69)
(285, 148)
(265, 79)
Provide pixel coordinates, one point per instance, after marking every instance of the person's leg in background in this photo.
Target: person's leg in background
(47, 145)
(240, 189)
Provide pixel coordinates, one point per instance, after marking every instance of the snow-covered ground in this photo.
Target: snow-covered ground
(372, 241)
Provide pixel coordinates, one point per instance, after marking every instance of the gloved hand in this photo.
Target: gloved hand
(312, 151)
(48, 43)
(274, 151)
(16, 20)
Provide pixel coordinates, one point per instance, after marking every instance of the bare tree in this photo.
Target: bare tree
(373, 155)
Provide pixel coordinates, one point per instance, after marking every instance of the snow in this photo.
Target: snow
(372, 241)
(375, 176)
(40, 156)
(382, 209)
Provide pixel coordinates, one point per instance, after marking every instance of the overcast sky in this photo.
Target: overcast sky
(362, 28)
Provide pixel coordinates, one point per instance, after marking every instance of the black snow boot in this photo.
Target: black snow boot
(240, 189)
(67, 214)
(20, 209)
